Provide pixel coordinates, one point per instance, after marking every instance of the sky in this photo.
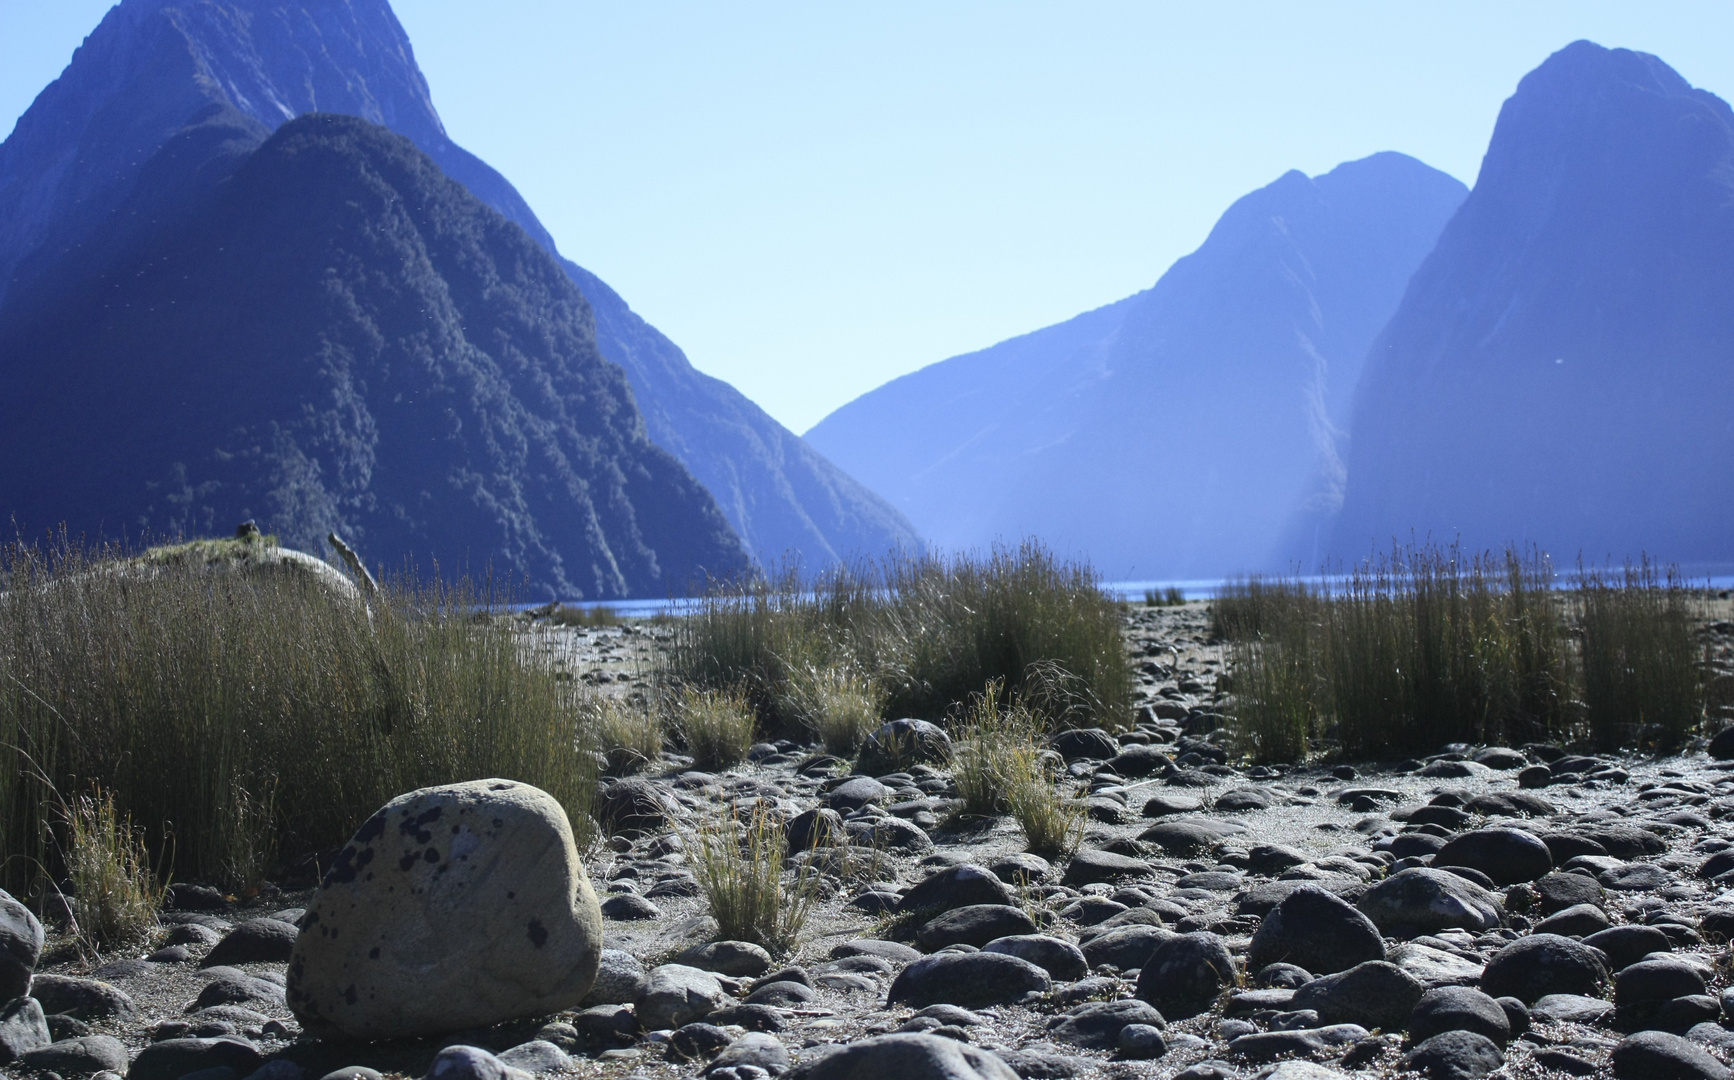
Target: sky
(812, 199)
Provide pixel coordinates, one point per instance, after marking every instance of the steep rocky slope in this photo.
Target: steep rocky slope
(1558, 372)
(152, 65)
(326, 333)
(1180, 431)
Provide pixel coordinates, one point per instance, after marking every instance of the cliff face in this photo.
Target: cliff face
(154, 65)
(324, 332)
(1559, 372)
(1194, 429)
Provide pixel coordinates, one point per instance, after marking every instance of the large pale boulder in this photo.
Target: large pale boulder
(453, 907)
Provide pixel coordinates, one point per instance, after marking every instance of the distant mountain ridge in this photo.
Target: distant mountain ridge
(1561, 369)
(1191, 430)
(322, 331)
(153, 65)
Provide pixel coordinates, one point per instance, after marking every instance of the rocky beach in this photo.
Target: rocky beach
(1509, 911)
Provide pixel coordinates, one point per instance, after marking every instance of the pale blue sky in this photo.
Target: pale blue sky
(813, 198)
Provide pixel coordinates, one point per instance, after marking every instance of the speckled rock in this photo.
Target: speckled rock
(452, 907)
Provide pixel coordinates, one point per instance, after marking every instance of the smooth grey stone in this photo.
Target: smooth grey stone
(536, 1056)
(968, 979)
(904, 1057)
(675, 994)
(172, 1059)
(79, 1057)
(1096, 1025)
(1141, 1042)
(87, 999)
(1570, 1009)
(1579, 920)
(471, 1063)
(736, 959)
(1658, 1055)
(1375, 994)
(620, 979)
(1090, 866)
(21, 940)
(1270, 1045)
(1124, 947)
(254, 941)
(1626, 945)
(1542, 964)
(755, 1049)
(1455, 1055)
(1316, 930)
(1062, 960)
(974, 924)
(1420, 901)
(955, 887)
(1186, 973)
(1435, 967)
(1458, 1008)
(23, 1028)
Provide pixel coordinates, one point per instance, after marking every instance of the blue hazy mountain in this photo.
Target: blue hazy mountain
(152, 66)
(1561, 370)
(320, 330)
(1194, 429)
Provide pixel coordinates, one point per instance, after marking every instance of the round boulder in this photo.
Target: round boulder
(898, 744)
(453, 907)
(908, 1056)
(1421, 901)
(20, 947)
(971, 980)
(1459, 1008)
(1531, 968)
(1375, 994)
(1316, 930)
(1186, 973)
(1505, 854)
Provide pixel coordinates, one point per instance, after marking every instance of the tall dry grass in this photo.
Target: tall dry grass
(925, 631)
(1427, 646)
(234, 714)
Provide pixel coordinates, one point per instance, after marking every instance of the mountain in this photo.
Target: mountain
(151, 66)
(1191, 430)
(320, 330)
(1561, 369)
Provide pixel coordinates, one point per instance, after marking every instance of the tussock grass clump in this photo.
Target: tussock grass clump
(928, 631)
(628, 736)
(1426, 646)
(1169, 597)
(1642, 678)
(568, 615)
(230, 713)
(739, 864)
(716, 725)
(1002, 766)
(118, 896)
(835, 703)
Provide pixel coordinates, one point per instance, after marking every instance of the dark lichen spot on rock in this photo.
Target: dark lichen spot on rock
(372, 830)
(349, 994)
(432, 855)
(373, 953)
(408, 861)
(538, 933)
(427, 817)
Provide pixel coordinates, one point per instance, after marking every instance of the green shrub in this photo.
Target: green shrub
(716, 726)
(230, 713)
(928, 631)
